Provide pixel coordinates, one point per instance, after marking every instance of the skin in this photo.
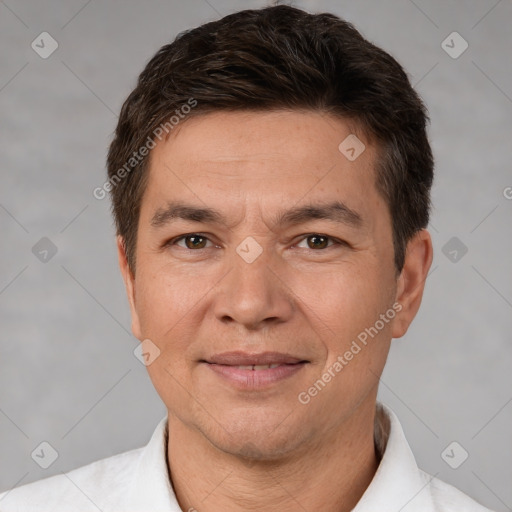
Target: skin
(232, 449)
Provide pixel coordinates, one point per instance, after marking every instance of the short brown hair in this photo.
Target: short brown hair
(280, 58)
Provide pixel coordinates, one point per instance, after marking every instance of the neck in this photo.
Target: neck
(330, 474)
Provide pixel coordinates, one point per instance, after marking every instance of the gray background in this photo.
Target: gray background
(67, 370)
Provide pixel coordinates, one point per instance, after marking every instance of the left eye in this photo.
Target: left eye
(318, 241)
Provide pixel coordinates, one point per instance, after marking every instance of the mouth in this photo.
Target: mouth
(254, 371)
(239, 358)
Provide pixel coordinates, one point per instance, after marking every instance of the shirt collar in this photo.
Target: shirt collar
(396, 486)
(397, 483)
(150, 488)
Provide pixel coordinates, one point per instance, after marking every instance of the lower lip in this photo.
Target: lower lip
(253, 379)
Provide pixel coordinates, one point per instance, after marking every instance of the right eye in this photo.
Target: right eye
(193, 241)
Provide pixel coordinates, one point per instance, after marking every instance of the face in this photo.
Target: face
(260, 243)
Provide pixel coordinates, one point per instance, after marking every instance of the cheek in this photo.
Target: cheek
(163, 298)
(165, 303)
(355, 337)
(345, 301)
(352, 312)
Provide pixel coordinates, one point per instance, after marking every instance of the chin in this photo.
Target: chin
(260, 448)
(257, 437)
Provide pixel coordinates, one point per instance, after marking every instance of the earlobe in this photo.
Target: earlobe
(129, 282)
(411, 282)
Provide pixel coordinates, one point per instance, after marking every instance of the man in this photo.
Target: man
(270, 177)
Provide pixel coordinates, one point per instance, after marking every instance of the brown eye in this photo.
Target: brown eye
(195, 242)
(317, 241)
(192, 241)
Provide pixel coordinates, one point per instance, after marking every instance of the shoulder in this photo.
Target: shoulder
(448, 498)
(90, 487)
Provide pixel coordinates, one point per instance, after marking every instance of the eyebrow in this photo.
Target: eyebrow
(335, 211)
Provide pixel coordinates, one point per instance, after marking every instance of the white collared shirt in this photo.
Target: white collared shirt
(138, 481)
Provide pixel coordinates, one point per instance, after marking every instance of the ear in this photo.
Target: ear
(129, 282)
(411, 282)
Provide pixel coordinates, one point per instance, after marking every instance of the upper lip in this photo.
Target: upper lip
(239, 358)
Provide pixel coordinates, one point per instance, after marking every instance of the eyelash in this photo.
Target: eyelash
(335, 241)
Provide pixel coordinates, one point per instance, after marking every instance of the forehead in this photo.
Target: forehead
(269, 158)
(228, 136)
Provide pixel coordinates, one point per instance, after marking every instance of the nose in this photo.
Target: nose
(254, 295)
